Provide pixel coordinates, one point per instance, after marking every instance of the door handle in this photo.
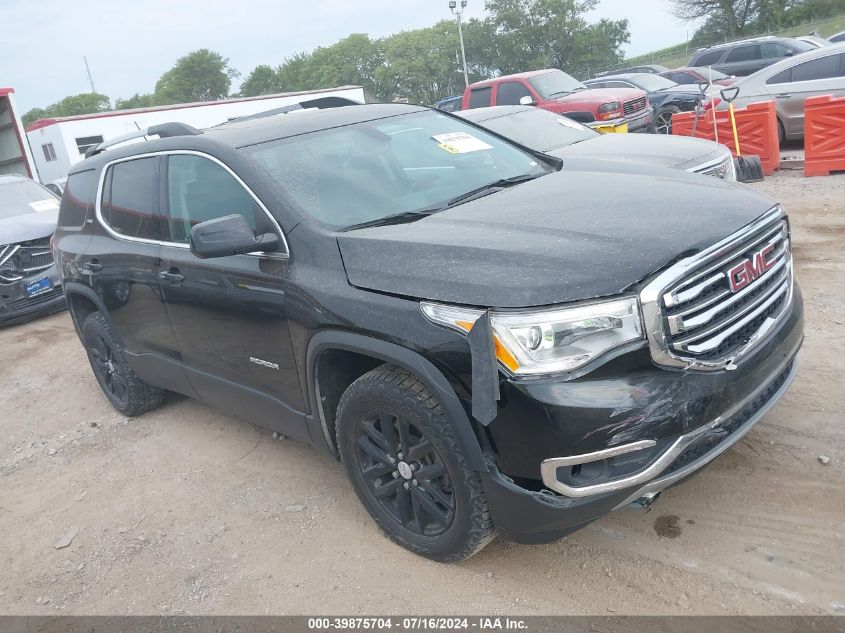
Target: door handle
(92, 267)
(172, 278)
(783, 95)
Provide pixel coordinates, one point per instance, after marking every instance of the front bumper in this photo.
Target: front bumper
(639, 122)
(682, 421)
(17, 307)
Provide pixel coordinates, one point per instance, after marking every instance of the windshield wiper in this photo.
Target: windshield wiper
(559, 92)
(489, 188)
(396, 218)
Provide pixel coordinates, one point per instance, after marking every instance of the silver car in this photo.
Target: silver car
(790, 82)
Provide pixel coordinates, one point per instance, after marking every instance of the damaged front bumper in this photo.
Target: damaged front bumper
(644, 429)
(18, 306)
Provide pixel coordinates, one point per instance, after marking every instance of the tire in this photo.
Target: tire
(408, 469)
(663, 119)
(781, 134)
(126, 392)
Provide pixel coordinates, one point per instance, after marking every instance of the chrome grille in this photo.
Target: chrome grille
(22, 260)
(698, 317)
(635, 105)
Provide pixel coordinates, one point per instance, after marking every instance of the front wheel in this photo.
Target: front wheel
(663, 119)
(408, 469)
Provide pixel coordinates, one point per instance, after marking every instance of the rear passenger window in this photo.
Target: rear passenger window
(744, 54)
(198, 189)
(783, 77)
(510, 92)
(130, 198)
(771, 50)
(822, 68)
(480, 97)
(79, 193)
(708, 59)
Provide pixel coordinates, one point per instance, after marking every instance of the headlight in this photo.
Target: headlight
(536, 342)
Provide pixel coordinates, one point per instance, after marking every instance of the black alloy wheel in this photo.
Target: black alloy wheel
(107, 369)
(663, 119)
(404, 473)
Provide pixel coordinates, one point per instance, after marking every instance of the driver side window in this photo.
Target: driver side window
(199, 189)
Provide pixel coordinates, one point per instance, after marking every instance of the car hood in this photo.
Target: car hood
(585, 232)
(29, 226)
(652, 149)
(601, 95)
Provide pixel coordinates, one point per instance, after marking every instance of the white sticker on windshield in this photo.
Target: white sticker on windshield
(44, 205)
(460, 143)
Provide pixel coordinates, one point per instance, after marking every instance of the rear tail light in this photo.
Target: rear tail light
(712, 103)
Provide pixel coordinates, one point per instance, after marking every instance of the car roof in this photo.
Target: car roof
(270, 128)
(478, 115)
(525, 75)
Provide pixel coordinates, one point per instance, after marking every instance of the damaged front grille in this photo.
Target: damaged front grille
(22, 260)
(722, 302)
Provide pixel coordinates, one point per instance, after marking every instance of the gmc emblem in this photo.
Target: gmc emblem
(750, 269)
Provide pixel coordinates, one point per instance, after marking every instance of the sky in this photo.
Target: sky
(131, 43)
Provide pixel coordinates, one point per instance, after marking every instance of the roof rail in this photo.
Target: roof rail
(319, 103)
(163, 130)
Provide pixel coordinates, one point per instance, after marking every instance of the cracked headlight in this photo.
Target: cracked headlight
(548, 341)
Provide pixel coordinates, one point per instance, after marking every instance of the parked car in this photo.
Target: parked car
(490, 339)
(557, 92)
(837, 38)
(748, 56)
(29, 283)
(449, 104)
(697, 76)
(667, 97)
(559, 136)
(789, 82)
(646, 68)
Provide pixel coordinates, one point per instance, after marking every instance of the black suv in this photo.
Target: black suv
(489, 340)
(748, 56)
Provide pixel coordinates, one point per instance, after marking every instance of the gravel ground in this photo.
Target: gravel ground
(187, 511)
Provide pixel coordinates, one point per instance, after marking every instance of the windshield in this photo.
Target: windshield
(555, 84)
(20, 197)
(367, 171)
(539, 129)
(652, 83)
(708, 72)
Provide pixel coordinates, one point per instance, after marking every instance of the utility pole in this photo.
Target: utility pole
(90, 78)
(453, 5)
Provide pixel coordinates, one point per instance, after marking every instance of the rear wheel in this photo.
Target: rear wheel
(663, 119)
(408, 469)
(781, 133)
(126, 392)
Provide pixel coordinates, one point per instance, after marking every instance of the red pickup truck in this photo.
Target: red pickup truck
(554, 90)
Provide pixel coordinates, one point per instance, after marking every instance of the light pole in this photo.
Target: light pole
(453, 5)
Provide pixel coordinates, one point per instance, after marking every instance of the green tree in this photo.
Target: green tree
(354, 60)
(201, 75)
(135, 101)
(294, 73)
(263, 80)
(85, 103)
(733, 17)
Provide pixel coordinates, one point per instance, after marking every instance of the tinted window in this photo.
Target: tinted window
(199, 189)
(822, 68)
(680, 78)
(22, 196)
(783, 77)
(744, 53)
(130, 198)
(510, 92)
(401, 164)
(617, 84)
(770, 50)
(480, 97)
(79, 193)
(708, 59)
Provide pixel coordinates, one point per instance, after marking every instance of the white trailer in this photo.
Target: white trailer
(60, 142)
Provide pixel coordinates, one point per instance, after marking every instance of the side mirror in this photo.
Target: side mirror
(229, 235)
(527, 100)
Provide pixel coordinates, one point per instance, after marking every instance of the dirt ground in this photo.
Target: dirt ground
(187, 511)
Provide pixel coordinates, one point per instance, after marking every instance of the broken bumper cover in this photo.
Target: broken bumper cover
(577, 489)
(16, 306)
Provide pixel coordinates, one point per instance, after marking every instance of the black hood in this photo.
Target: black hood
(28, 226)
(588, 231)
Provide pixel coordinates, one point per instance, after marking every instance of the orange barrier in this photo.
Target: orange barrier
(756, 125)
(824, 135)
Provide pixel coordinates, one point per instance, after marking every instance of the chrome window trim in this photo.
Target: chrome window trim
(651, 294)
(178, 152)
